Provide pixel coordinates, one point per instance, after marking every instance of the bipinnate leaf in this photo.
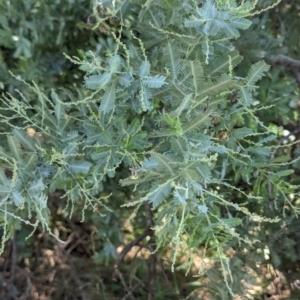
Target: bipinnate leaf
(80, 167)
(95, 82)
(240, 133)
(158, 193)
(17, 198)
(144, 69)
(108, 99)
(37, 186)
(24, 139)
(114, 63)
(245, 96)
(155, 82)
(256, 72)
(126, 79)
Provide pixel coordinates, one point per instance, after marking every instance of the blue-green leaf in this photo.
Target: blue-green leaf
(17, 198)
(114, 63)
(232, 222)
(59, 111)
(263, 151)
(144, 97)
(3, 178)
(24, 140)
(150, 163)
(285, 173)
(4, 189)
(158, 193)
(256, 72)
(221, 65)
(172, 59)
(228, 29)
(156, 81)
(15, 147)
(245, 96)
(80, 167)
(37, 186)
(144, 69)
(241, 23)
(71, 149)
(108, 99)
(95, 82)
(240, 133)
(126, 79)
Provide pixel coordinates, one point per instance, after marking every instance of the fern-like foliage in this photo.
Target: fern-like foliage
(158, 106)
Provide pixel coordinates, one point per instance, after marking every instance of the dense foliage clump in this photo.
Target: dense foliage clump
(175, 130)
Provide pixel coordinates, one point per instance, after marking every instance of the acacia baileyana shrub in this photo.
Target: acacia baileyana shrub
(167, 105)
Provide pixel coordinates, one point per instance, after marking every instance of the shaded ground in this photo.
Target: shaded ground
(43, 268)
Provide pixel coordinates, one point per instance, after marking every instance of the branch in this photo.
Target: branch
(74, 272)
(292, 64)
(127, 248)
(152, 269)
(153, 256)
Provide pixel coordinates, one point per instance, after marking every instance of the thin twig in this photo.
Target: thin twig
(128, 295)
(128, 290)
(283, 139)
(153, 255)
(167, 279)
(147, 232)
(13, 259)
(273, 154)
(73, 268)
(28, 282)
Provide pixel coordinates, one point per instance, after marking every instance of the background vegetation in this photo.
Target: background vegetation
(109, 257)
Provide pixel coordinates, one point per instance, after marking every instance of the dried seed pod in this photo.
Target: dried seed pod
(222, 135)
